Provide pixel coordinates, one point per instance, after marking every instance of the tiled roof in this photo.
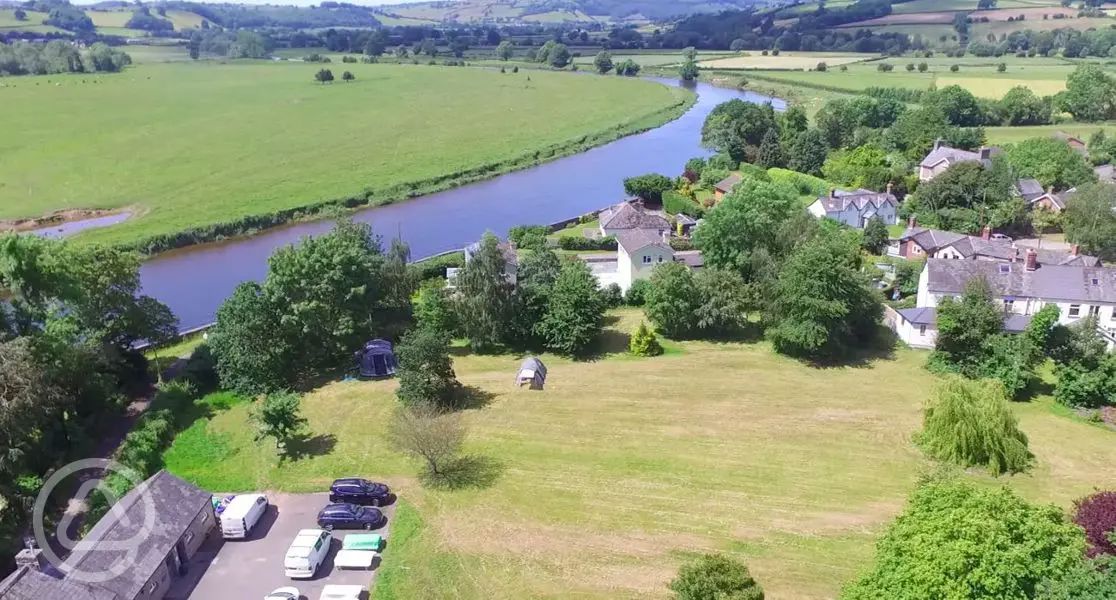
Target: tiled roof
(928, 316)
(1048, 282)
(841, 200)
(635, 239)
(953, 156)
(690, 258)
(1029, 188)
(725, 185)
(628, 215)
(971, 246)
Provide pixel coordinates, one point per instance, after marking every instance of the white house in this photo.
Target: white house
(856, 208)
(1021, 288)
(942, 157)
(917, 327)
(919, 242)
(638, 251)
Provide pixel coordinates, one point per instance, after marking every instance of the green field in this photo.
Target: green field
(7, 18)
(649, 59)
(785, 60)
(189, 144)
(607, 480)
(1008, 135)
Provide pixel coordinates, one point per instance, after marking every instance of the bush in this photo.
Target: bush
(969, 423)
(753, 171)
(803, 183)
(644, 342)
(954, 68)
(637, 293)
(822, 67)
(201, 370)
(675, 203)
(1096, 514)
(435, 266)
(612, 295)
(516, 234)
(714, 576)
(577, 242)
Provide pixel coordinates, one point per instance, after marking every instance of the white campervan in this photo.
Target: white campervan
(241, 515)
(307, 552)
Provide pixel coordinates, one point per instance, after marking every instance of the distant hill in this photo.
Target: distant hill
(558, 11)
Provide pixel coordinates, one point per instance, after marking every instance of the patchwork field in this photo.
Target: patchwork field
(601, 485)
(785, 60)
(650, 59)
(190, 144)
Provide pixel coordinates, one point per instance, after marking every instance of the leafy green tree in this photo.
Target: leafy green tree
(323, 76)
(673, 300)
(644, 342)
(559, 56)
(959, 106)
(505, 50)
(278, 416)
(637, 293)
(19, 14)
(603, 62)
(688, 70)
(725, 301)
(1020, 106)
(538, 270)
(1090, 221)
(957, 540)
(250, 358)
(575, 311)
(822, 306)
(347, 76)
(715, 576)
(964, 326)
(809, 152)
(649, 187)
(628, 68)
(104, 58)
(29, 402)
(792, 124)
(1090, 94)
(433, 309)
(770, 152)
(744, 224)
(485, 300)
(875, 236)
(737, 128)
(1050, 161)
(969, 423)
(428, 47)
(915, 131)
(425, 369)
(862, 166)
(966, 197)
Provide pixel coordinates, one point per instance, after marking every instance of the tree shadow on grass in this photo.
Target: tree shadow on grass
(881, 347)
(306, 446)
(467, 472)
(470, 397)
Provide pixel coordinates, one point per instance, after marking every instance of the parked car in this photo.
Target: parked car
(349, 516)
(342, 592)
(284, 593)
(359, 491)
(241, 515)
(307, 552)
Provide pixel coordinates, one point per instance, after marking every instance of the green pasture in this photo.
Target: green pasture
(187, 144)
(7, 18)
(1009, 135)
(601, 485)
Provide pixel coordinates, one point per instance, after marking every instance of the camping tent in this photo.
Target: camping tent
(376, 359)
(532, 372)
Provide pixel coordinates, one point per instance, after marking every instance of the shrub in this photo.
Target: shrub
(577, 242)
(753, 171)
(821, 67)
(675, 203)
(519, 232)
(201, 370)
(954, 68)
(644, 342)
(969, 423)
(637, 293)
(612, 295)
(1096, 514)
(803, 183)
(885, 67)
(715, 576)
(1000, 68)
(435, 266)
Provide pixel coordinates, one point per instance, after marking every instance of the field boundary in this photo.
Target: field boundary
(252, 224)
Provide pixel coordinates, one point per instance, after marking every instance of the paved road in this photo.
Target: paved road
(249, 569)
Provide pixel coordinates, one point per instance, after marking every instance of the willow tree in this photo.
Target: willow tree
(970, 423)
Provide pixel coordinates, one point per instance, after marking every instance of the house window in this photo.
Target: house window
(1094, 311)
(1009, 305)
(646, 260)
(660, 259)
(922, 330)
(1075, 310)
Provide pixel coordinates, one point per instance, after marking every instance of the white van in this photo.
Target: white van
(241, 515)
(307, 552)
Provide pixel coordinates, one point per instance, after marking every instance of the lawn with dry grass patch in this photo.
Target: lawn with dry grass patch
(623, 467)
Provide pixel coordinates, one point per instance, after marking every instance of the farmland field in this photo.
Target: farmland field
(1009, 135)
(785, 60)
(190, 144)
(602, 484)
(651, 59)
(7, 18)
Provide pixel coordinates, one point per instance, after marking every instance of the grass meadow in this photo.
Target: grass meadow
(600, 486)
(785, 60)
(186, 144)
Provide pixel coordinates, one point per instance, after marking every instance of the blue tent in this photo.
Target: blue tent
(377, 359)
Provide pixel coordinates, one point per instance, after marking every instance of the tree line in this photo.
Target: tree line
(59, 56)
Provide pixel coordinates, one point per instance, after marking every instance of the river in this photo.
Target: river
(194, 281)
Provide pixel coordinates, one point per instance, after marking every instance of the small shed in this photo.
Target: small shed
(532, 373)
(376, 359)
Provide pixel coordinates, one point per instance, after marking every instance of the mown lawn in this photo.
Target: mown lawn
(185, 145)
(623, 467)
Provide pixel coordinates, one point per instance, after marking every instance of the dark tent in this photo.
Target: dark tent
(532, 373)
(376, 359)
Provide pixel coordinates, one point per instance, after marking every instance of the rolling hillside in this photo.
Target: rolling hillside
(554, 11)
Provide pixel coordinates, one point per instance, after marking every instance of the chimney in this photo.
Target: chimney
(32, 558)
(1074, 249)
(1032, 260)
(986, 233)
(1015, 255)
(985, 153)
(832, 192)
(937, 143)
(1050, 189)
(889, 187)
(912, 222)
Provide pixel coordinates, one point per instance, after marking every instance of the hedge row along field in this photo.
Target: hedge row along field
(200, 151)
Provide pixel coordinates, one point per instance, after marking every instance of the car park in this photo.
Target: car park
(355, 490)
(284, 593)
(306, 553)
(342, 592)
(349, 516)
(241, 514)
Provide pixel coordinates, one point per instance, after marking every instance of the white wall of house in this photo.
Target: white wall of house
(853, 217)
(639, 264)
(916, 336)
(949, 252)
(928, 173)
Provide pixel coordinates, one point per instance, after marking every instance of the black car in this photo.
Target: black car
(349, 516)
(359, 491)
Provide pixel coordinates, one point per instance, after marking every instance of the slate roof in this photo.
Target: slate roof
(690, 258)
(954, 155)
(725, 185)
(971, 246)
(1029, 189)
(628, 215)
(154, 516)
(507, 248)
(1048, 282)
(1013, 322)
(841, 200)
(635, 239)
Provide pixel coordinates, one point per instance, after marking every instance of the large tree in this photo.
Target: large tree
(964, 328)
(649, 187)
(485, 298)
(574, 311)
(715, 576)
(971, 424)
(822, 305)
(959, 106)
(968, 196)
(745, 225)
(808, 153)
(863, 166)
(1090, 94)
(737, 128)
(1089, 219)
(1020, 106)
(673, 300)
(425, 369)
(1052, 162)
(957, 540)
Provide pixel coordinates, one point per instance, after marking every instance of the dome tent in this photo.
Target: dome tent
(531, 373)
(376, 359)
